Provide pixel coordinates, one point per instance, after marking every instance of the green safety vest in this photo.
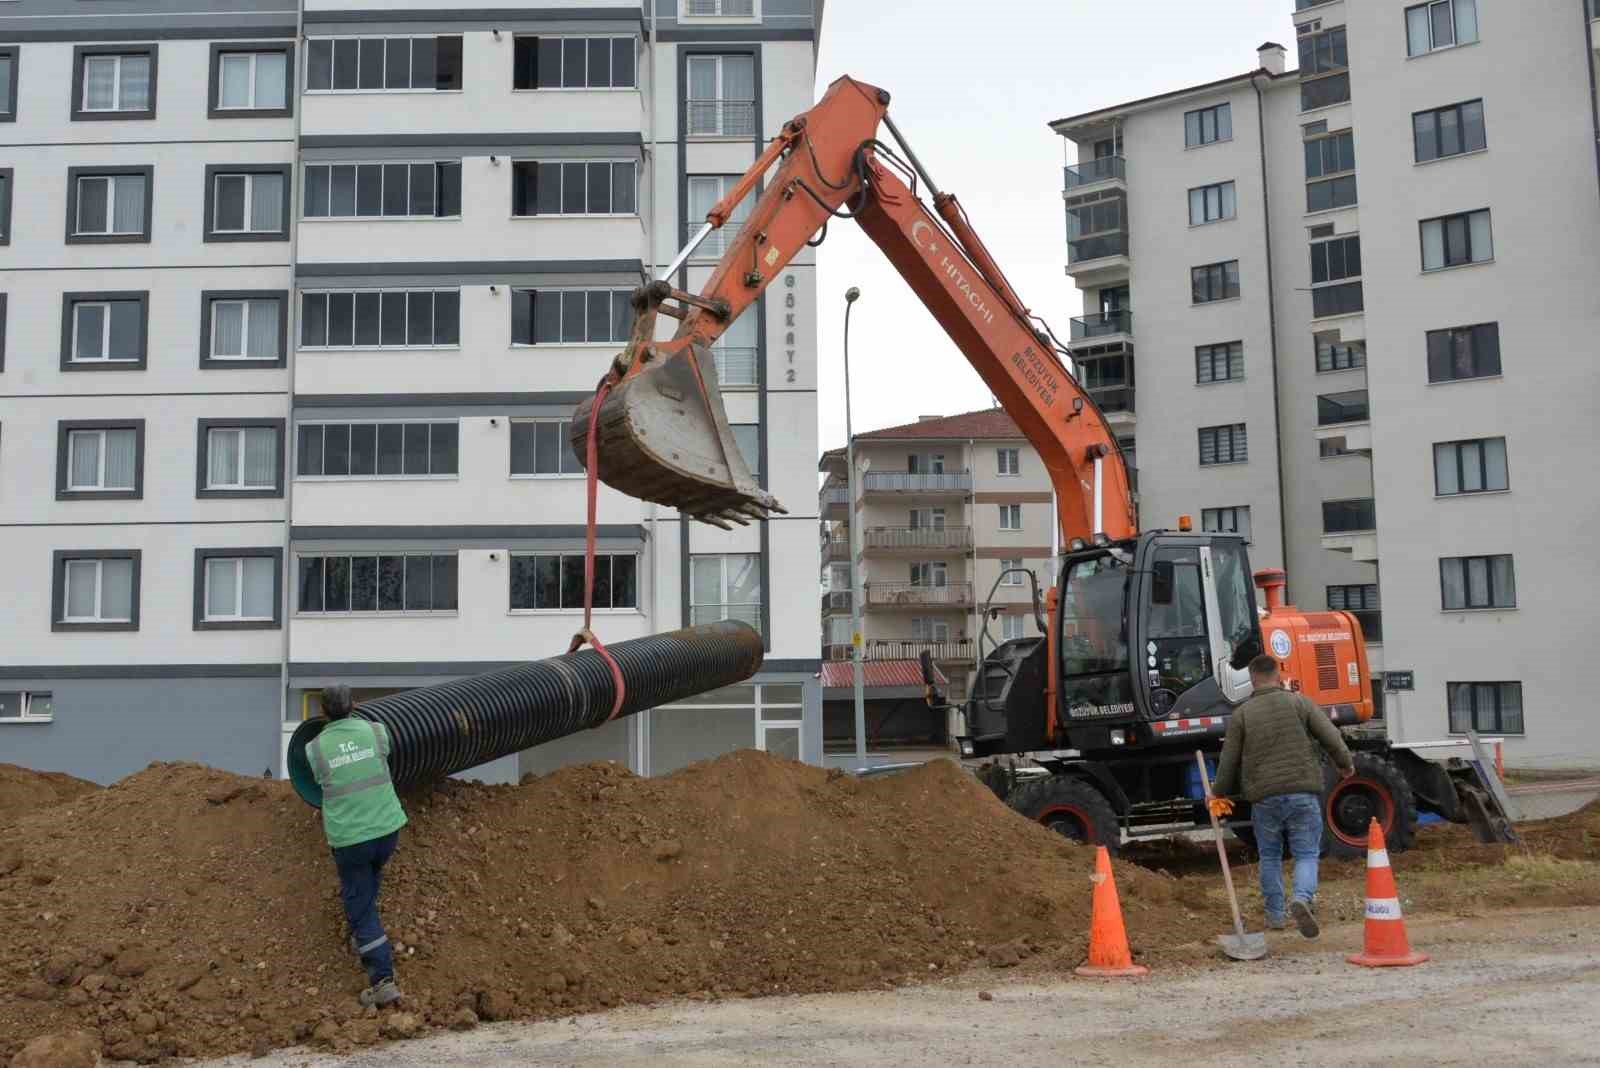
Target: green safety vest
(350, 759)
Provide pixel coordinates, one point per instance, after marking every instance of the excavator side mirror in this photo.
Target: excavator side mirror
(1161, 580)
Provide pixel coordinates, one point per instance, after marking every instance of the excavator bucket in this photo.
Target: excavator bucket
(664, 437)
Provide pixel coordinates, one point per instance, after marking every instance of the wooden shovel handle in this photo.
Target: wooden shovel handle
(1222, 852)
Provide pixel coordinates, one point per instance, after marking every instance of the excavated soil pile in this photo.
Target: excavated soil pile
(23, 790)
(189, 911)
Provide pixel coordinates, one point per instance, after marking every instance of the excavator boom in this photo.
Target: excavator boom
(662, 432)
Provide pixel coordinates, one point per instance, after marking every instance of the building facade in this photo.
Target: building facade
(286, 403)
(1357, 339)
(955, 513)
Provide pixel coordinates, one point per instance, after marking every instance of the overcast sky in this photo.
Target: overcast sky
(974, 84)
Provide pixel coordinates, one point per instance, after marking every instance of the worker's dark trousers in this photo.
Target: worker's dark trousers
(360, 871)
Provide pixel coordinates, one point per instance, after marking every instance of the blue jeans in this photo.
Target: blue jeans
(1299, 818)
(360, 871)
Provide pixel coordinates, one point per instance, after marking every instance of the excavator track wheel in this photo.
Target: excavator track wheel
(1070, 807)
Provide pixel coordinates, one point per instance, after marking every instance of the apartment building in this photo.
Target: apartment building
(1359, 337)
(954, 513)
(344, 302)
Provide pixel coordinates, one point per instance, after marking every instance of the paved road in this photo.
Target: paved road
(1514, 989)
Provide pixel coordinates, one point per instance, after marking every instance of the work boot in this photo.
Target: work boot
(1304, 918)
(1277, 923)
(383, 992)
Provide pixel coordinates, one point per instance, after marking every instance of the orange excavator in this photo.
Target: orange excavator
(1092, 727)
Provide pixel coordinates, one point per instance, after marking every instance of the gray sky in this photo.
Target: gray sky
(974, 84)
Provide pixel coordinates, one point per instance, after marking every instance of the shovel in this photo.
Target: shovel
(1239, 945)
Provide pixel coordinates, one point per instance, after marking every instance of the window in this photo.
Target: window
(725, 8)
(926, 518)
(574, 188)
(1206, 125)
(1332, 261)
(554, 581)
(1011, 572)
(928, 629)
(1225, 444)
(1453, 240)
(1323, 53)
(26, 706)
(1336, 355)
(1234, 520)
(1008, 461)
(930, 573)
(247, 202)
(251, 80)
(736, 354)
(1013, 626)
(95, 589)
(100, 459)
(425, 190)
(704, 192)
(1474, 466)
(382, 64)
(1216, 281)
(1211, 203)
(725, 586)
(1345, 517)
(1464, 352)
(376, 582)
(240, 458)
(1477, 582)
(2, 331)
(574, 63)
(542, 447)
(377, 450)
(1361, 601)
(103, 331)
(114, 82)
(571, 316)
(931, 463)
(1011, 517)
(106, 205)
(1487, 707)
(1440, 24)
(1331, 448)
(5, 205)
(1219, 363)
(1324, 92)
(1348, 407)
(237, 589)
(8, 83)
(243, 328)
(381, 319)
(1330, 171)
(722, 96)
(747, 438)
(1449, 131)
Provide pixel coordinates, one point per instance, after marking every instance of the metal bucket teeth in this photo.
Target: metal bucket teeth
(659, 440)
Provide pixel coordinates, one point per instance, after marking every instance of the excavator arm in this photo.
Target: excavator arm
(662, 433)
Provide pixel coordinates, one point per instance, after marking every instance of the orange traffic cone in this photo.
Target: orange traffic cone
(1108, 939)
(1386, 942)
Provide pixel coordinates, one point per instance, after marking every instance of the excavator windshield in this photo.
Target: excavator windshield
(1094, 633)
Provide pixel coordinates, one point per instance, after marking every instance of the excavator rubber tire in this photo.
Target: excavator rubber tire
(1378, 789)
(1071, 807)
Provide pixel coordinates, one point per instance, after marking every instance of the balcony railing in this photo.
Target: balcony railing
(720, 7)
(836, 651)
(736, 365)
(1347, 407)
(1102, 324)
(955, 538)
(1095, 170)
(837, 546)
(1113, 398)
(836, 601)
(1349, 517)
(722, 118)
(911, 649)
(836, 495)
(1099, 246)
(885, 594)
(917, 481)
(714, 613)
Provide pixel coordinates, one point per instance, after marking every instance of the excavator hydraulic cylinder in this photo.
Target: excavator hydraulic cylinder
(439, 730)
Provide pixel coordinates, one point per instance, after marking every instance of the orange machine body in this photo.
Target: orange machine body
(1321, 654)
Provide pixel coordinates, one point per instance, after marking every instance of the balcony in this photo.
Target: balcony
(836, 651)
(1095, 171)
(1098, 259)
(835, 601)
(910, 595)
(721, 118)
(836, 502)
(926, 483)
(836, 546)
(1108, 324)
(1113, 400)
(1345, 418)
(736, 366)
(1351, 527)
(948, 651)
(917, 539)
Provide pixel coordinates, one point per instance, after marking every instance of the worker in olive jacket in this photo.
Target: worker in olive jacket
(362, 817)
(1271, 749)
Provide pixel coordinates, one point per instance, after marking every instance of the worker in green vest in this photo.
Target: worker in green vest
(362, 817)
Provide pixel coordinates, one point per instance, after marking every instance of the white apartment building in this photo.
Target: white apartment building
(286, 406)
(948, 506)
(1363, 343)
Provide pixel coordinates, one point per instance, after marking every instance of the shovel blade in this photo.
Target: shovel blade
(1243, 947)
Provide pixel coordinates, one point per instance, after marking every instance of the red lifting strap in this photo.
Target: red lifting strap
(587, 634)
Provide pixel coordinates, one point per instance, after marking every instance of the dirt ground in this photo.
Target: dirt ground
(1512, 988)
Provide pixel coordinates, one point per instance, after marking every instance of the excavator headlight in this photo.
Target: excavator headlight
(1102, 539)
(1078, 545)
(1119, 737)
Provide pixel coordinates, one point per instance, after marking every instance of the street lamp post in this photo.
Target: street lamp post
(857, 642)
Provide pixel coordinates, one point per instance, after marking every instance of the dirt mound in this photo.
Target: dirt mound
(189, 911)
(23, 790)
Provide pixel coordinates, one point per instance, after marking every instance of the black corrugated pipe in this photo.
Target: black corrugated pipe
(440, 730)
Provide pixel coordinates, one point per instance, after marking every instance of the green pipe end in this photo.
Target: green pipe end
(301, 776)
